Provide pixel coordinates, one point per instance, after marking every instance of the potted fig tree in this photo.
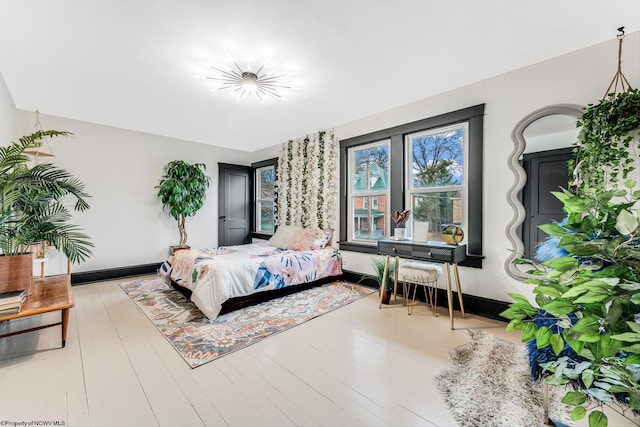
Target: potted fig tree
(182, 190)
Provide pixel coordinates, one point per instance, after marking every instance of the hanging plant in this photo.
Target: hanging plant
(604, 151)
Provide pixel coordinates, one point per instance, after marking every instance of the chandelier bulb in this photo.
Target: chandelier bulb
(249, 81)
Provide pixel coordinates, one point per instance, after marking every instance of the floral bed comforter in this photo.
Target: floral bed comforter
(215, 275)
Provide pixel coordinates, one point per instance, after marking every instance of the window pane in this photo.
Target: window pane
(265, 220)
(264, 199)
(369, 223)
(266, 182)
(437, 159)
(371, 169)
(438, 209)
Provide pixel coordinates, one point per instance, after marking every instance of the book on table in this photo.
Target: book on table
(11, 301)
(11, 296)
(10, 310)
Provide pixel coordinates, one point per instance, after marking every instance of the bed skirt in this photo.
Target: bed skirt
(236, 303)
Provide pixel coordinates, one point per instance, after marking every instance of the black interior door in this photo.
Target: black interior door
(234, 205)
(547, 171)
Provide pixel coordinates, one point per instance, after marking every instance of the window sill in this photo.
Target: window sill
(473, 261)
(262, 236)
(358, 247)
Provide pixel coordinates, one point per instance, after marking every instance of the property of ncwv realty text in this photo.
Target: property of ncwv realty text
(10, 423)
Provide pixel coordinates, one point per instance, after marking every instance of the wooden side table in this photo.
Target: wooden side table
(48, 294)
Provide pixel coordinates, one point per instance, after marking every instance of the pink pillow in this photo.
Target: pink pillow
(310, 239)
(283, 235)
(303, 240)
(322, 239)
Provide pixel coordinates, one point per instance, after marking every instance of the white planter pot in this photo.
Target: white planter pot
(400, 233)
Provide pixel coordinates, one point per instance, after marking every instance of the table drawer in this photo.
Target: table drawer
(451, 254)
(437, 252)
(392, 248)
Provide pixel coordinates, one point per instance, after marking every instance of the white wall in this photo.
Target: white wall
(581, 78)
(120, 169)
(266, 153)
(8, 114)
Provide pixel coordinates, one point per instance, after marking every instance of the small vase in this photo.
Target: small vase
(400, 233)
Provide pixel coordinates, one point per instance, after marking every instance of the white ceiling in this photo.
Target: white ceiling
(131, 63)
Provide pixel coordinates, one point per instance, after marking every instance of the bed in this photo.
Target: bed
(220, 279)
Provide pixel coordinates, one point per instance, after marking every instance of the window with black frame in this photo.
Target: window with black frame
(436, 184)
(264, 196)
(432, 167)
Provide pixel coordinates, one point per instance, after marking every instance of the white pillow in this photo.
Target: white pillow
(283, 235)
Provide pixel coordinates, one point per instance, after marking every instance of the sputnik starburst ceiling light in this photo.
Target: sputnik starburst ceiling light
(246, 82)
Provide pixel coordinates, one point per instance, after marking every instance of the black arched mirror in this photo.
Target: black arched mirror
(546, 131)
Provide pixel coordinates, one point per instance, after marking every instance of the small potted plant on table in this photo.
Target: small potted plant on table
(400, 218)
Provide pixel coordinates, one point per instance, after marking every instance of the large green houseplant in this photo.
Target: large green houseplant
(584, 328)
(584, 325)
(182, 190)
(34, 200)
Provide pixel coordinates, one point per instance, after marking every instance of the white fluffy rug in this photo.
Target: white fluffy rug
(489, 385)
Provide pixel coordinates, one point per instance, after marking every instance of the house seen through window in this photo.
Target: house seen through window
(369, 191)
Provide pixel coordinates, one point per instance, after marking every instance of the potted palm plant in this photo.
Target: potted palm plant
(182, 190)
(33, 209)
(385, 287)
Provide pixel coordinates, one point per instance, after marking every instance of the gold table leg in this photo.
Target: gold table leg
(449, 293)
(459, 288)
(395, 280)
(384, 280)
(385, 274)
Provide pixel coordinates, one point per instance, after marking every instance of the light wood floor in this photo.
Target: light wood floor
(356, 366)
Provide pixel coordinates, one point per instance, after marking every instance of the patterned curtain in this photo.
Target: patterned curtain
(307, 184)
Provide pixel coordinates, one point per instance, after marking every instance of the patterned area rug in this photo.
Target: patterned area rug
(199, 340)
(489, 385)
